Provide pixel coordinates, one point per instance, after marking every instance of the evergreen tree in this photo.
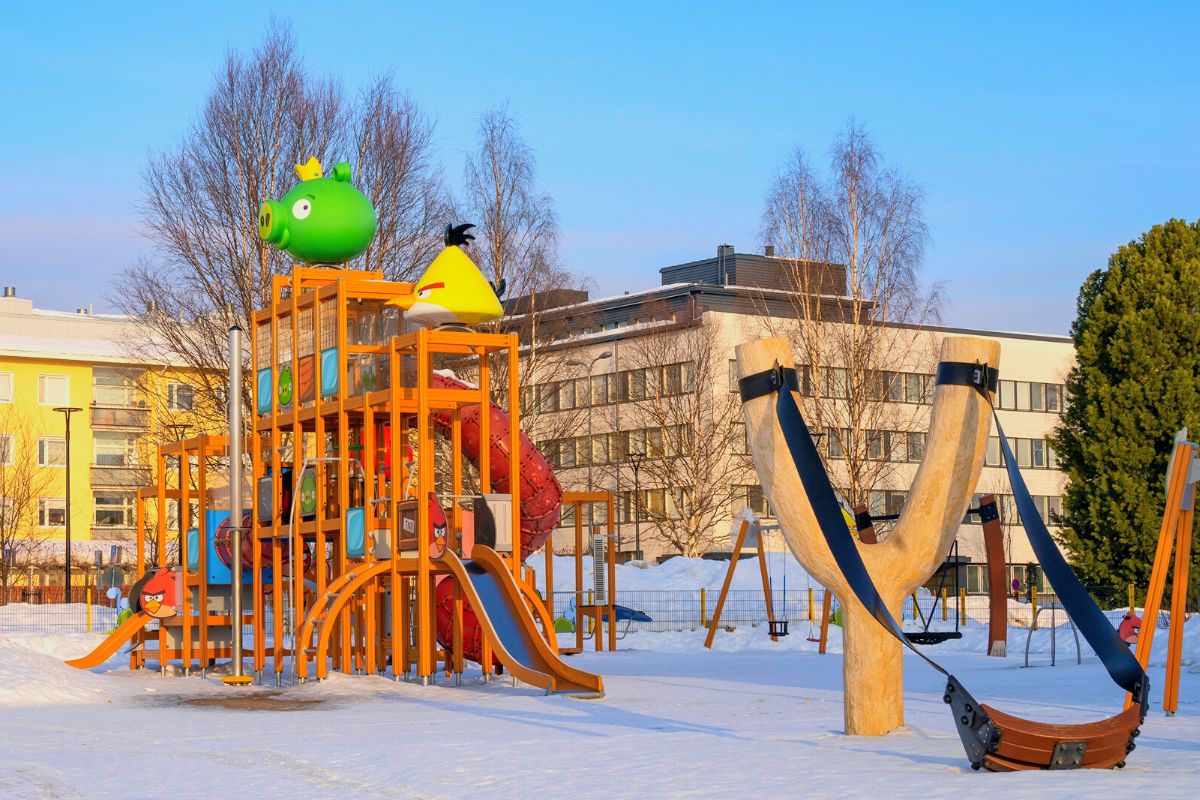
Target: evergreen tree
(1135, 383)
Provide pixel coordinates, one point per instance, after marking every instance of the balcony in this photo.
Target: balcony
(121, 417)
(120, 477)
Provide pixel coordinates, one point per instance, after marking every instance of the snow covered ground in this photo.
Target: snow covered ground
(750, 719)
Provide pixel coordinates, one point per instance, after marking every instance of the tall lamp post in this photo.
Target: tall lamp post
(635, 459)
(588, 367)
(67, 411)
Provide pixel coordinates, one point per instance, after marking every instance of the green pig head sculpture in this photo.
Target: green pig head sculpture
(321, 220)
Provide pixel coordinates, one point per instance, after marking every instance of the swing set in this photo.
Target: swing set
(750, 534)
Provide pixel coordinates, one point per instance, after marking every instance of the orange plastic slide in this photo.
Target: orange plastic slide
(490, 589)
(127, 630)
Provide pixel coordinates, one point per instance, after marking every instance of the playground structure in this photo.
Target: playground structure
(936, 505)
(595, 607)
(749, 534)
(351, 559)
(1175, 534)
(335, 376)
(874, 578)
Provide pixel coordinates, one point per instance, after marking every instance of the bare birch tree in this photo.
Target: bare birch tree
(22, 483)
(851, 245)
(686, 423)
(265, 114)
(516, 245)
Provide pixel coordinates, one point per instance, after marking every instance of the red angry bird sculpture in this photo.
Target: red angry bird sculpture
(155, 594)
(1131, 626)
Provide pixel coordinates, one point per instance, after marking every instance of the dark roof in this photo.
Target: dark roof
(729, 268)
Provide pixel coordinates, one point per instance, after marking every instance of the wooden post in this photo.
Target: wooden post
(1179, 590)
(826, 607)
(766, 584)
(993, 545)
(716, 617)
(937, 501)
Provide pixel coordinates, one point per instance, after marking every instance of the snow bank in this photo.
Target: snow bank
(32, 671)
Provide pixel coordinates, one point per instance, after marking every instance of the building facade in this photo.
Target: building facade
(51, 360)
(600, 405)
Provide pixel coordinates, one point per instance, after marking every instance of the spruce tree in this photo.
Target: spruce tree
(1135, 383)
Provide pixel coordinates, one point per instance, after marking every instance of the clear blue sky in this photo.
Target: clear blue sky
(1044, 138)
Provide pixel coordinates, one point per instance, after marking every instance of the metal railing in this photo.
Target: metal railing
(42, 609)
(688, 610)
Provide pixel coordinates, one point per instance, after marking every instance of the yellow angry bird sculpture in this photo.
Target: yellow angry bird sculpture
(452, 291)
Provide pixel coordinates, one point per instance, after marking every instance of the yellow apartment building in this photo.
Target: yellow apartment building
(51, 360)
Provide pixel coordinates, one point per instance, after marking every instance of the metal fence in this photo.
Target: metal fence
(688, 610)
(77, 617)
(669, 610)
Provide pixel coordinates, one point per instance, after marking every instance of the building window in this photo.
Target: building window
(886, 503)
(6, 449)
(115, 449)
(652, 503)
(52, 451)
(114, 387)
(741, 439)
(916, 445)
(114, 509)
(52, 512)
(6, 387)
(53, 390)
(835, 442)
(600, 449)
(601, 393)
(180, 397)
(1054, 394)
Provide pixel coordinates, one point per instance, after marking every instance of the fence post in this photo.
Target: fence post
(87, 598)
(945, 611)
(1132, 599)
(810, 604)
(1033, 604)
(962, 604)
(916, 611)
(703, 607)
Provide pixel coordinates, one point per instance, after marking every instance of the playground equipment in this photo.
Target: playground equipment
(347, 549)
(1053, 608)
(865, 525)
(749, 534)
(795, 480)
(594, 606)
(1176, 532)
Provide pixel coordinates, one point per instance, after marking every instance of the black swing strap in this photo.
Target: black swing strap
(1122, 667)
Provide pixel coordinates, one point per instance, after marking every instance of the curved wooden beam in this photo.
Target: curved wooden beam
(937, 502)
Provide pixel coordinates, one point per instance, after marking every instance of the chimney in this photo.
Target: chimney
(724, 253)
(91, 309)
(152, 306)
(10, 291)
(769, 250)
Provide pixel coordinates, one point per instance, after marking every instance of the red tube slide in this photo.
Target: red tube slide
(541, 501)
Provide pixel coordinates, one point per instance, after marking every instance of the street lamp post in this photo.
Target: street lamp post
(636, 459)
(588, 367)
(67, 411)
